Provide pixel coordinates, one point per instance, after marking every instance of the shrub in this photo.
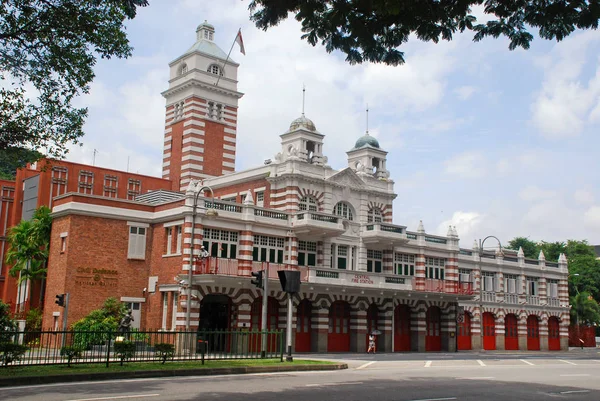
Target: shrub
(10, 352)
(125, 350)
(93, 329)
(33, 320)
(164, 351)
(70, 353)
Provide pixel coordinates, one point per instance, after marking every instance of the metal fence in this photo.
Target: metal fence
(44, 347)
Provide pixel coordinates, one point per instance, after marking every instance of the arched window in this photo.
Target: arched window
(344, 210)
(309, 203)
(374, 215)
(183, 69)
(215, 69)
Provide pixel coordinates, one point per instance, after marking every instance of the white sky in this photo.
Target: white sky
(495, 142)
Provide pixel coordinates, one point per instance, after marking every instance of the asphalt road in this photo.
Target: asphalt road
(565, 376)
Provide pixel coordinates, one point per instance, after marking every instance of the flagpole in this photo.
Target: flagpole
(228, 54)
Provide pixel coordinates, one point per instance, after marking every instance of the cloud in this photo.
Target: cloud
(567, 102)
(465, 92)
(592, 217)
(533, 193)
(584, 197)
(466, 165)
(465, 222)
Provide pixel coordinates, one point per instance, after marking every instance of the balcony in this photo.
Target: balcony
(533, 300)
(448, 287)
(353, 278)
(380, 236)
(488, 296)
(314, 224)
(229, 267)
(555, 302)
(511, 299)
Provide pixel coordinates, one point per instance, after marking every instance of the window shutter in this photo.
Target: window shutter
(511, 286)
(519, 285)
(488, 283)
(132, 245)
(497, 284)
(141, 246)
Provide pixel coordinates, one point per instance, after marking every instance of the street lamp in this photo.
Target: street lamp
(481, 242)
(210, 212)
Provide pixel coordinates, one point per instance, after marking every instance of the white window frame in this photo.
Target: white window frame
(165, 309)
(465, 276)
(374, 256)
(138, 233)
(435, 268)
(533, 286)
(221, 243)
(344, 210)
(489, 281)
(375, 215)
(552, 288)
(309, 203)
(260, 198)
(404, 264)
(511, 281)
(307, 248)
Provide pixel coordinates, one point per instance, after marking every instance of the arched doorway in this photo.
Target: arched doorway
(463, 340)
(489, 331)
(553, 334)
(433, 338)
(402, 328)
(533, 333)
(511, 333)
(338, 339)
(303, 326)
(372, 318)
(272, 322)
(215, 313)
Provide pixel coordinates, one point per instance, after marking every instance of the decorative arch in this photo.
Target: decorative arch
(375, 215)
(308, 203)
(183, 69)
(215, 69)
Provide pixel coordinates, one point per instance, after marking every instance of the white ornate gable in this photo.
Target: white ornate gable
(347, 178)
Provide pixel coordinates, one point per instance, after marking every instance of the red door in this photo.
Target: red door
(256, 324)
(338, 339)
(433, 339)
(372, 318)
(489, 331)
(511, 333)
(303, 318)
(402, 328)
(464, 333)
(553, 334)
(533, 333)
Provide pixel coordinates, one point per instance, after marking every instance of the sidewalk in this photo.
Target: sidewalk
(77, 377)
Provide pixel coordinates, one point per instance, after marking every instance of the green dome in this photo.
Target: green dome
(366, 140)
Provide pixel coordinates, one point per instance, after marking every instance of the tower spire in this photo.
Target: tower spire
(303, 98)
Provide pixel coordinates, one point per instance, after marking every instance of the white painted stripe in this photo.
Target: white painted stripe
(428, 364)
(117, 398)
(435, 399)
(570, 363)
(575, 391)
(366, 365)
(475, 378)
(576, 375)
(527, 362)
(479, 361)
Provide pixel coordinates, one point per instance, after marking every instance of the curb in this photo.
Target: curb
(32, 380)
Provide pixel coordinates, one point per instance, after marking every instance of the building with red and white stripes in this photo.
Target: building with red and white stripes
(359, 271)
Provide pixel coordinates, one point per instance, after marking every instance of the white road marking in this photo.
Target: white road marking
(527, 362)
(575, 375)
(428, 364)
(475, 378)
(117, 398)
(436, 399)
(575, 391)
(365, 365)
(479, 361)
(570, 363)
(331, 384)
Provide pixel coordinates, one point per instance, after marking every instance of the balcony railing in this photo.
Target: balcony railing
(327, 218)
(271, 214)
(225, 206)
(533, 300)
(553, 302)
(390, 228)
(448, 287)
(230, 267)
(488, 296)
(511, 299)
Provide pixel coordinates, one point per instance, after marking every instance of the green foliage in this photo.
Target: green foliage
(10, 352)
(94, 328)
(584, 309)
(33, 319)
(52, 46)
(552, 250)
(373, 30)
(7, 324)
(530, 248)
(70, 353)
(164, 351)
(125, 350)
(13, 158)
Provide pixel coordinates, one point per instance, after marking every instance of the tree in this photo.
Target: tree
(13, 158)
(584, 309)
(530, 248)
(552, 250)
(52, 46)
(29, 242)
(584, 269)
(372, 30)
(94, 328)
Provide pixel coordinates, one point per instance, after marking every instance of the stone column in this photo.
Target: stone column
(418, 330)
(245, 252)
(320, 327)
(477, 329)
(448, 329)
(544, 333)
(358, 328)
(522, 331)
(500, 332)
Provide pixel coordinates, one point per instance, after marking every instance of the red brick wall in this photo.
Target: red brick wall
(7, 191)
(175, 159)
(213, 149)
(93, 244)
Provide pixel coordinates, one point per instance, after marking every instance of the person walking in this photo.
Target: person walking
(371, 344)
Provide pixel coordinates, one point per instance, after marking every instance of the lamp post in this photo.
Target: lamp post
(481, 242)
(210, 212)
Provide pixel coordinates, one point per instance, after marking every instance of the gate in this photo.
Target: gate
(433, 339)
(533, 333)
(338, 339)
(256, 322)
(463, 340)
(402, 328)
(303, 326)
(511, 333)
(489, 331)
(553, 334)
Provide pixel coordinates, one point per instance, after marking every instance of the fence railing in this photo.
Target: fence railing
(448, 287)
(49, 347)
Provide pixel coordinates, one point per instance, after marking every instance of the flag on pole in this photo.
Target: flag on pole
(240, 42)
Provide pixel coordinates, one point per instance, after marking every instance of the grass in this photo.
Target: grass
(52, 370)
